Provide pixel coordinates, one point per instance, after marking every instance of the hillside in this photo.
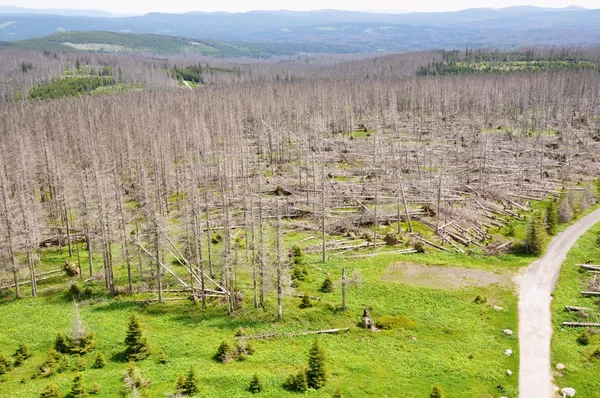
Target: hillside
(163, 45)
(355, 31)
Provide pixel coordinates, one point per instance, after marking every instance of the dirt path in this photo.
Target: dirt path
(535, 329)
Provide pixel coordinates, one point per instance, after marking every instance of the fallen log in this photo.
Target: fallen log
(311, 297)
(590, 293)
(431, 243)
(28, 282)
(589, 267)
(407, 251)
(581, 324)
(576, 309)
(275, 335)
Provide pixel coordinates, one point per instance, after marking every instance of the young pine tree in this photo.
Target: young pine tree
(5, 364)
(224, 353)
(100, 361)
(316, 374)
(22, 354)
(136, 346)
(305, 303)
(190, 386)
(436, 392)
(327, 286)
(536, 234)
(256, 384)
(50, 391)
(78, 388)
(552, 218)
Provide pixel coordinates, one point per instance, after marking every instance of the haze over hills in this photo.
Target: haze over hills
(56, 11)
(349, 31)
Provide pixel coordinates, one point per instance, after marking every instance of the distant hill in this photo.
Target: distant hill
(56, 11)
(111, 42)
(350, 31)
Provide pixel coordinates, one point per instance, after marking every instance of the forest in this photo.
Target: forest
(335, 225)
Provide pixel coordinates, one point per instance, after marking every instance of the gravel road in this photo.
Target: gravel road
(535, 329)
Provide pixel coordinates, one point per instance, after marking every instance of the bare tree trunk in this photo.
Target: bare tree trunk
(158, 269)
(323, 235)
(9, 233)
(279, 270)
(344, 307)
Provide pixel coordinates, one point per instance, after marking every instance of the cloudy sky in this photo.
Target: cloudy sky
(144, 6)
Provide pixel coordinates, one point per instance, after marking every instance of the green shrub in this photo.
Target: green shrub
(48, 367)
(395, 322)
(22, 354)
(327, 286)
(436, 392)
(78, 388)
(536, 235)
(6, 365)
(480, 299)
(100, 361)
(79, 364)
(595, 354)
(256, 384)
(584, 338)
(95, 389)
(188, 385)
(305, 303)
(224, 353)
(61, 344)
(50, 391)
(216, 238)
(299, 274)
(297, 255)
(162, 357)
(75, 291)
(296, 382)
(552, 218)
(338, 393)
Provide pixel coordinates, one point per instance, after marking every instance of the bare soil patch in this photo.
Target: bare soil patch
(443, 277)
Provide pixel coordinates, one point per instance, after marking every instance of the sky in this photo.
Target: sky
(176, 6)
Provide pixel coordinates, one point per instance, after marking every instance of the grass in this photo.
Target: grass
(448, 338)
(469, 335)
(581, 371)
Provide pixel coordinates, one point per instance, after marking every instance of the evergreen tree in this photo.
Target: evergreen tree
(22, 354)
(100, 361)
(224, 353)
(190, 386)
(78, 389)
(136, 344)
(327, 286)
(305, 302)
(316, 374)
(61, 344)
(50, 391)
(162, 357)
(552, 218)
(180, 384)
(536, 234)
(256, 384)
(436, 392)
(5, 364)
